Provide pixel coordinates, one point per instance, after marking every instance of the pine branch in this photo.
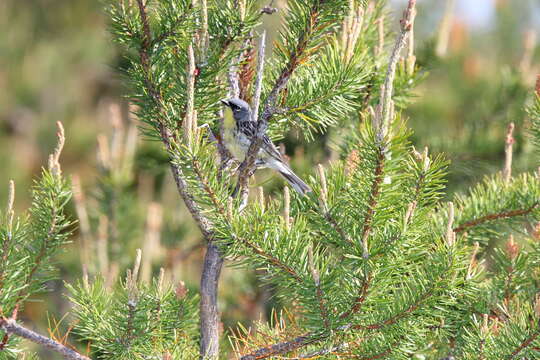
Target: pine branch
(37, 263)
(394, 319)
(213, 259)
(359, 300)
(259, 78)
(525, 343)
(8, 240)
(335, 225)
(318, 290)
(281, 348)
(10, 326)
(492, 217)
(272, 260)
(388, 89)
(373, 197)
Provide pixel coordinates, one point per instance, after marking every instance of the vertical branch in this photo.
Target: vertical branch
(209, 346)
(213, 262)
(190, 96)
(388, 90)
(203, 34)
(259, 78)
(411, 58)
(508, 144)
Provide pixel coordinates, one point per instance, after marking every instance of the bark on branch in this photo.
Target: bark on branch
(10, 326)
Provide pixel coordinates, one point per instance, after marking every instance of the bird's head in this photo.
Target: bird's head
(239, 108)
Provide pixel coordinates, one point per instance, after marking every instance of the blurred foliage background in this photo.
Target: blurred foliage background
(57, 63)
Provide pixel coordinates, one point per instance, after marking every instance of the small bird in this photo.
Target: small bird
(239, 129)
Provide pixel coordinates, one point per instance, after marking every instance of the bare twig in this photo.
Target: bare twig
(508, 144)
(190, 96)
(10, 326)
(203, 33)
(386, 97)
(259, 78)
(54, 159)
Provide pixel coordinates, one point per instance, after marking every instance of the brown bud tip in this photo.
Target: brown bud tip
(512, 248)
(181, 290)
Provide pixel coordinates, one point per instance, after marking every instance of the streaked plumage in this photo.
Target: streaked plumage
(238, 131)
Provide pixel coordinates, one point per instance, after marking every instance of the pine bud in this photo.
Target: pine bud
(181, 290)
(512, 248)
(352, 162)
(484, 329)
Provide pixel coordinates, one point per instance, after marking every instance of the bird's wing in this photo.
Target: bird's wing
(249, 128)
(271, 149)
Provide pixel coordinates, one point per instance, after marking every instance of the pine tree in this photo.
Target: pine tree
(372, 264)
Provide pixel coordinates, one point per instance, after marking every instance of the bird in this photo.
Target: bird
(238, 130)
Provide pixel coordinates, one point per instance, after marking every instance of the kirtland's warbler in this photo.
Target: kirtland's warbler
(239, 130)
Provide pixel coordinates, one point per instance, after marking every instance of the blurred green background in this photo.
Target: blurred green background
(57, 63)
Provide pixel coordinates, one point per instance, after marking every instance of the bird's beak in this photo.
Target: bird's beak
(225, 102)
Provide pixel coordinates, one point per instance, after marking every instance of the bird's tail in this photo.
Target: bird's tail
(293, 179)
